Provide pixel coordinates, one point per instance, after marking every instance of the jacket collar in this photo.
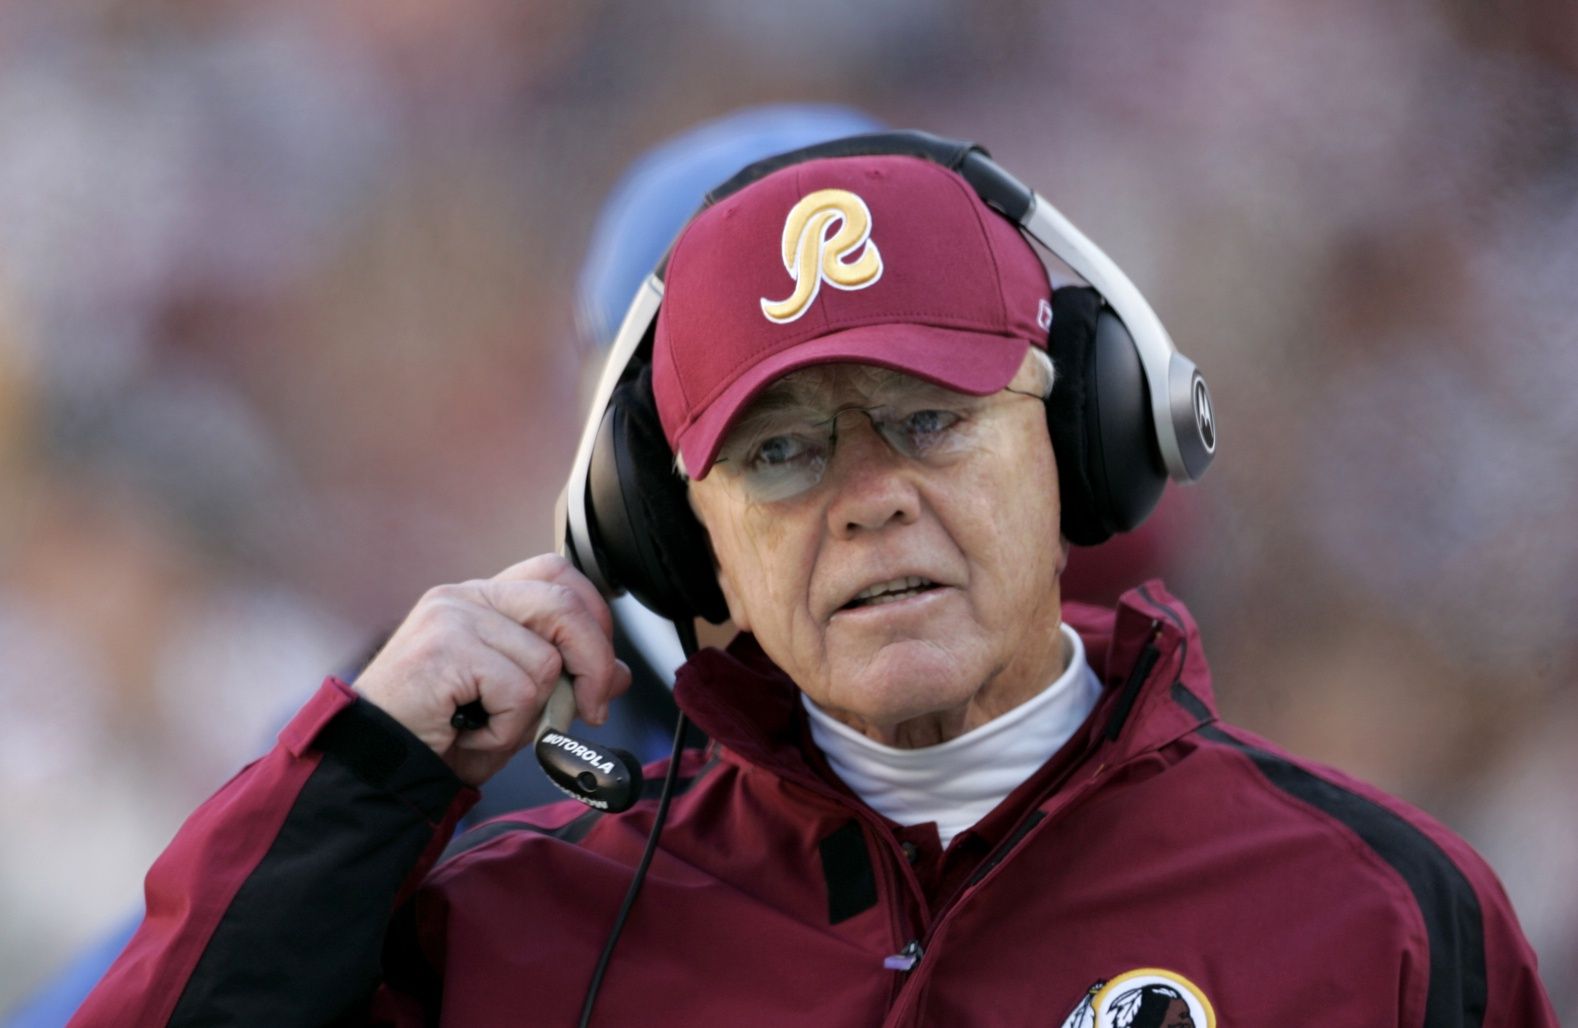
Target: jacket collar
(744, 702)
(1175, 696)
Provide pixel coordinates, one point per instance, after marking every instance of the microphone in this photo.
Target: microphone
(602, 777)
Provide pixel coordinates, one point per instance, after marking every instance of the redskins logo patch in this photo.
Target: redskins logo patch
(1147, 997)
(846, 259)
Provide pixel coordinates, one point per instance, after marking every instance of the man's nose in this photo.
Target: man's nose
(872, 485)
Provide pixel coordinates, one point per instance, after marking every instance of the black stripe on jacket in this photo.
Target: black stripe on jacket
(1448, 905)
(300, 943)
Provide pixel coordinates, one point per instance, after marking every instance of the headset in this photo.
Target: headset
(1127, 410)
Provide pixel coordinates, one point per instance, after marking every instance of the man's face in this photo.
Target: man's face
(979, 533)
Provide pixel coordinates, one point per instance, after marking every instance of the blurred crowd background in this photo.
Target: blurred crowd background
(288, 334)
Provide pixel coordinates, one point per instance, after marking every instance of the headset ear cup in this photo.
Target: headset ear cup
(1071, 345)
(1110, 472)
(1124, 463)
(647, 537)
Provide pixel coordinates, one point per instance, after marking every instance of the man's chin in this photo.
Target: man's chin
(907, 680)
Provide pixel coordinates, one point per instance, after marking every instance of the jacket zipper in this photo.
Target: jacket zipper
(897, 881)
(906, 958)
(910, 956)
(1131, 687)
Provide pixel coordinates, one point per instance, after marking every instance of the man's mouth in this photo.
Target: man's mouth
(890, 591)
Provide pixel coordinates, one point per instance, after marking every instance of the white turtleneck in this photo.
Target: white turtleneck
(958, 782)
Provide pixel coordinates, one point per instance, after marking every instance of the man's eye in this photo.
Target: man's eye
(778, 451)
(924, 427)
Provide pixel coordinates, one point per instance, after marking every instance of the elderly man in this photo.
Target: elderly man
(934, 795)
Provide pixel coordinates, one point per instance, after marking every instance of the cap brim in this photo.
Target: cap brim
(978, 363)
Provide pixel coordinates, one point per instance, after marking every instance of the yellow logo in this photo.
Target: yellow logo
(1145, 996)
(811, 256)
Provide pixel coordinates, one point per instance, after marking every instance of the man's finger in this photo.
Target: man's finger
(555, 612)
(512, 698)
(531, 652)
(550, 567)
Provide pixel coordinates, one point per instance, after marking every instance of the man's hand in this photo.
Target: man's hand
(503, 641)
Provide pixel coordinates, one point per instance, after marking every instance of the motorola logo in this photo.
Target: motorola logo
(1204, 420)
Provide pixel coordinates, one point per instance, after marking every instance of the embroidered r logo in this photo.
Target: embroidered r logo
(811, 256)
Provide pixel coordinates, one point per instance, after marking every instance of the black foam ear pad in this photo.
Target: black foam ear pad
(1110, 472)
(1125, 463)
(1070, 344)
(647, 538)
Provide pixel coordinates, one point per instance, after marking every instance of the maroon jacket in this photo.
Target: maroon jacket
(1161, 865)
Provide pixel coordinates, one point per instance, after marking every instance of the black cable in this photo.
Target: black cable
(687, 642)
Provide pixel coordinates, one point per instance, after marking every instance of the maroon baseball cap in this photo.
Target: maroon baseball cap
(890, 260)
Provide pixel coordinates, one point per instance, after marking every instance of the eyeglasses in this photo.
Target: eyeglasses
(777, 455)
